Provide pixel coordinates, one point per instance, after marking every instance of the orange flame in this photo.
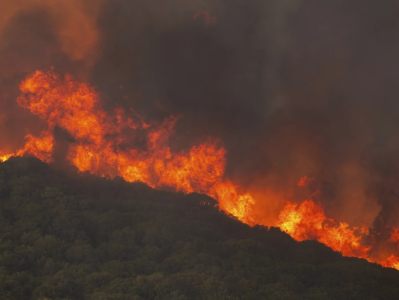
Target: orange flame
(99, 148)
(98, 136)
(40, 147)
(308, 221)
(391, 262)
(394, 236)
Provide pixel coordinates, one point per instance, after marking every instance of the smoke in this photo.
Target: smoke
(36, 35)
(292, 88)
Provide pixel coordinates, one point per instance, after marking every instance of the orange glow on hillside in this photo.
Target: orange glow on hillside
(40, 147)
(100, 146)
(391, 262)
(98, 136)
(308, 221)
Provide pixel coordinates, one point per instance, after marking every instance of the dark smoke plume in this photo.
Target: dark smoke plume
(292, 88)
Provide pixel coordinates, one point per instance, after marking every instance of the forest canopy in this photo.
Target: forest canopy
(69, 236)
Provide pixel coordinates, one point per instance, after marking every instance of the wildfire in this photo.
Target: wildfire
(40, 147)
(394, 236)
(100, 146)
(391, 262)
(4, 157)
(98, 139)
(308, 221)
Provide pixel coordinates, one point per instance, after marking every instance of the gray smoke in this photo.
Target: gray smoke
(292, 88)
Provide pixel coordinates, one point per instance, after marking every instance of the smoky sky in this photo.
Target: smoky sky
(291, 88)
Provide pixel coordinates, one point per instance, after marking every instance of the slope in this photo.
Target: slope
(69, 236)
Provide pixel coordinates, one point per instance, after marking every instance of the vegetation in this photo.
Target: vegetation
(64, 236)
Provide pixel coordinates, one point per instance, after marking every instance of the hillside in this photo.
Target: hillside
(64, 236)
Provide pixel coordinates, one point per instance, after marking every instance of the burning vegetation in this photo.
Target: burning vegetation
(98, 139)
(97, 148)
(221, 98)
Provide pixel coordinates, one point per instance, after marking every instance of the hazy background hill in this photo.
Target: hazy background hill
(68, 236)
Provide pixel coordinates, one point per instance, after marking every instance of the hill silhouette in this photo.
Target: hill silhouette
(69, 236)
